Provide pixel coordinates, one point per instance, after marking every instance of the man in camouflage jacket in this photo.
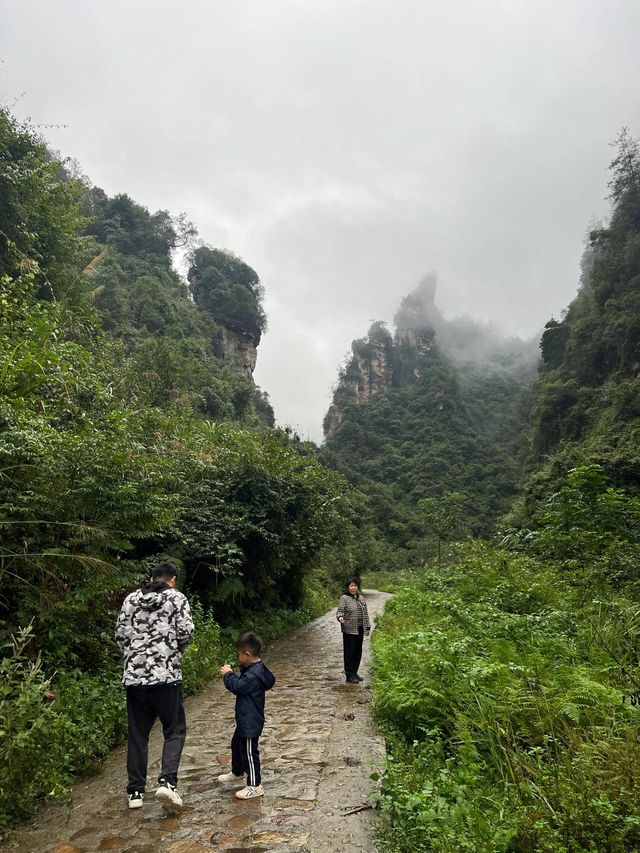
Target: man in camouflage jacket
(154, 628)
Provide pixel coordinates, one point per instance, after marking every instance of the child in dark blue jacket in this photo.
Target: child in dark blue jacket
(249, 688)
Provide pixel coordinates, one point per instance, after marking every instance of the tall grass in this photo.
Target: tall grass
(500, 685)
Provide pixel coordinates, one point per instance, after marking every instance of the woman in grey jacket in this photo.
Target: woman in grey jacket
(353, 617)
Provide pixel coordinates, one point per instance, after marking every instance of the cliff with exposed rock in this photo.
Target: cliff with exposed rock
(381, 361)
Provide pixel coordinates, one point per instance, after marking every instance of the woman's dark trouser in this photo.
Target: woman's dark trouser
(245, 758)
(144, 706)
(352, 644)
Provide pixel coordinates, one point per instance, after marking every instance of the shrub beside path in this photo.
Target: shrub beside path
(318, 751)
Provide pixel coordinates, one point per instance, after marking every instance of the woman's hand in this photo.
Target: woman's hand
(368, 631)
(341, 620)
(225, 669)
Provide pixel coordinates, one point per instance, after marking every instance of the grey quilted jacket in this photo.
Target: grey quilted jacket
(154, 628)
(349, 607)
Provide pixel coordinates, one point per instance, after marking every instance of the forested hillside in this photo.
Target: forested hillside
(130, 430)
(414, 419)
(587, 402)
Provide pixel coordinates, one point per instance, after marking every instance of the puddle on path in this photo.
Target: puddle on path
(242, 821)
(298, 753)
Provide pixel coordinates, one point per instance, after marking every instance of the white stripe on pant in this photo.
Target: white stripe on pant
(245, 758)
(251, 774)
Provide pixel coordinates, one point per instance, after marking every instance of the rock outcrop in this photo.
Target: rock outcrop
(369, 371)
(239, 352)
(380, 362)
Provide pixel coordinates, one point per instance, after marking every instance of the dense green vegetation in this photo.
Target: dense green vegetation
(508, 687)
(456, 428)
(587, 402)
(126, 437)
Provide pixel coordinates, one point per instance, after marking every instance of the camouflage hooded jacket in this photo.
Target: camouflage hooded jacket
(154, 628)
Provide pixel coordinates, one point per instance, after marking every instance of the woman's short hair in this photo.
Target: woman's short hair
(353, 579)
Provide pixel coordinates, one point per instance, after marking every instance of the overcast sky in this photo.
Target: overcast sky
(344, 148)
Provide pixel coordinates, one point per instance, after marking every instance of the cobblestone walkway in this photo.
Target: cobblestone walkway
(318, 751)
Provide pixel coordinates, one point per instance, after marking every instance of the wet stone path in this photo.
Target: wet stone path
(318, 751)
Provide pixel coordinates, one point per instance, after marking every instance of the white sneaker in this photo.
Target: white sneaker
(249, 793)
(135, 800)
(168, 795)
(228, 778)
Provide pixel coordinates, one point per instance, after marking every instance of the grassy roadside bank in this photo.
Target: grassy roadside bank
(499, 683)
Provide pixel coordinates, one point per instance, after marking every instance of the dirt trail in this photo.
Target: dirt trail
(318, 751)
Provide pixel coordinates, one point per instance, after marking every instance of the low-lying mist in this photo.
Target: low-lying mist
(462, 339)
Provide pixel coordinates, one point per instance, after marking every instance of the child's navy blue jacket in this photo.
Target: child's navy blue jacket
(249, 688)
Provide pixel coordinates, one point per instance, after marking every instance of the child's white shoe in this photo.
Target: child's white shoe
(249, 793)
(230, 778)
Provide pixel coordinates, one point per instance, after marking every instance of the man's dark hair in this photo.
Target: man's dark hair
(163, 572)
(250, 642)
(353, 579)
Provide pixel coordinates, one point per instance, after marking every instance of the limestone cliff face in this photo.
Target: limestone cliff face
(411, 348)
(380, 362)
(368, 372)
(239, 352)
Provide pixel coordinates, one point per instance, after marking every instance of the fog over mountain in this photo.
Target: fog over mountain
(344, 149)
(463, 339)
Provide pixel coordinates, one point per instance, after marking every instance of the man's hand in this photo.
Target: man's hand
(225, 669)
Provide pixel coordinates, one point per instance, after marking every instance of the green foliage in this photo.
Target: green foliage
(39, 213)
(586, 403)
(50, 729)
(587, 527)
(223, 285)
(443, 518)
(455, 429)
(204, 655)
(500, 683)
(130, 230)
(178, 350)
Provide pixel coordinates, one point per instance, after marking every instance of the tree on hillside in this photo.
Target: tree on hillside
(625, 166)
(443, 518)
(129, 228)
(230, 290)
(39, 213)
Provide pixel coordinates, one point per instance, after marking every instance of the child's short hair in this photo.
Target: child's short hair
(250, 642)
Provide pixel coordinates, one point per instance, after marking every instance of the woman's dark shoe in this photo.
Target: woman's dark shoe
(358, 677)
(352, 679)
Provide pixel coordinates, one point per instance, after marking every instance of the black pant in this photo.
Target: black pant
(144, 706)
(352, 644)
(245, 758)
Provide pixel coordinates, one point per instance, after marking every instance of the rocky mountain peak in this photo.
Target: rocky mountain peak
(380, 360)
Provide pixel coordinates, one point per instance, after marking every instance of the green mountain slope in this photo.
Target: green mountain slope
(587, 403)
(408, 422)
